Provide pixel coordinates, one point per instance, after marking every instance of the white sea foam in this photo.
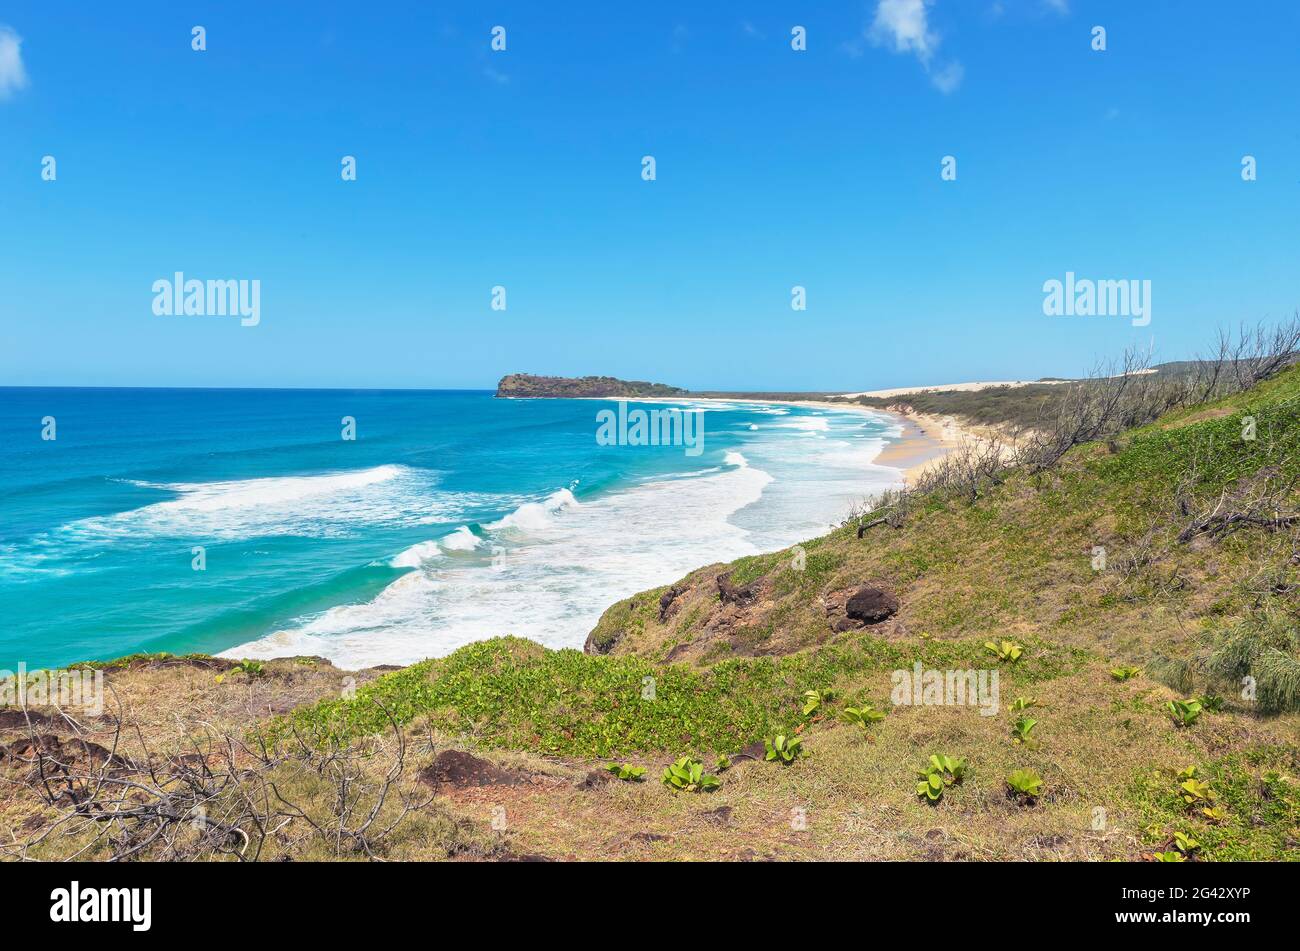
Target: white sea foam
(417, 555)
(462, 539)
(683, 475)
(554, 582)
(856, 456)
(818, 424)
(533, 516)
(566, 561)
(29, 562)
(315, 505)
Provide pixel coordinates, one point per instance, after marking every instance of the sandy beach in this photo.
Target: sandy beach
(925, 439)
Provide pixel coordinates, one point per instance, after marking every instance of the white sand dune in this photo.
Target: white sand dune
(953, 387)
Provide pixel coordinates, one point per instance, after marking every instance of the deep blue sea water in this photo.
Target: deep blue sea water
(453, 516)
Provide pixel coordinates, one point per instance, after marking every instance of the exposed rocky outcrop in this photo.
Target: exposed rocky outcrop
(731, 593)
(525, 385)
(871, 605)
(667, 600)
(601, 641)
(850, 608)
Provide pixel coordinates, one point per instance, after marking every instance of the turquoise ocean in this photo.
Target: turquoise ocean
(452, 516)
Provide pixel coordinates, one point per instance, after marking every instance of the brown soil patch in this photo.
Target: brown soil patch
(61, 756)
(455, 770)
(13, 719)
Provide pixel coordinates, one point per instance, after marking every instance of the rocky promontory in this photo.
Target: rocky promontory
(521, 385)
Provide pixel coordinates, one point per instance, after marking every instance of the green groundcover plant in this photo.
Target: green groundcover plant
(687, 775)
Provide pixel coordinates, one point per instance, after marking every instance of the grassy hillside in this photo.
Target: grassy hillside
(1196, 599)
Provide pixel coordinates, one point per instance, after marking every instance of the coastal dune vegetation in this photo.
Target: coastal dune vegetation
(1130, 570)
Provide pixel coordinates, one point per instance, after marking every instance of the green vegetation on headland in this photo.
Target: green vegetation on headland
(1132, 578)
(525, 385)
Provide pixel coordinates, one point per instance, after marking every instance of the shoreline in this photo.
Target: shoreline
(921, 441)
(924, 440)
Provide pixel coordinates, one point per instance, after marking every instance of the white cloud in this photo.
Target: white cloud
(947, 80)
(1060, 6)
(904, 25)
(13, 76)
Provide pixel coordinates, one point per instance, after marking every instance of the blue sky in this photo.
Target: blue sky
(522, 168)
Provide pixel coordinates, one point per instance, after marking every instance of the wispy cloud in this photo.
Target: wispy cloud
(13, 76)
(904, 26)
(1060, 6)
(948, 78)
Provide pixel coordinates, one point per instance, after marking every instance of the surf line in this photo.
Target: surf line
(654, 427)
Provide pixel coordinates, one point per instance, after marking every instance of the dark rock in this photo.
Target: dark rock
(601, 642)
(731, 594)
(871, 605)
(666, 601)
